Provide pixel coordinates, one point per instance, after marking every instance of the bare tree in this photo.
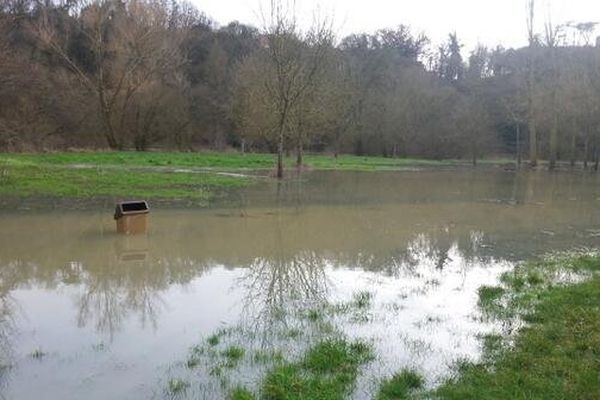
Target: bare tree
(531, 123)
(551, 41)
(131, 51)
(295, 58)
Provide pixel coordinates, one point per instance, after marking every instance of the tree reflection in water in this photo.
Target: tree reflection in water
(8, 310)
(131, 281)
(281, 286)
(279, 289)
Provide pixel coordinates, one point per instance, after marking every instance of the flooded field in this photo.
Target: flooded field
(392, 258)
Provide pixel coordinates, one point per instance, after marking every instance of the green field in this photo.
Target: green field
(213, 160)
(557, 354)
(161, 175)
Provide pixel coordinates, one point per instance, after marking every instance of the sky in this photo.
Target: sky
(488, 22)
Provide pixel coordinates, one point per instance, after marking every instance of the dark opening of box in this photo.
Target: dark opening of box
(134, 206)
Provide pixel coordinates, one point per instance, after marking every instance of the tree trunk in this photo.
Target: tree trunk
(299, 156)
(554, 139)
(531, 123)
(532, 143)
(280, 154)
(596, 157)
(573, 143)
(518, 145)
(586, 152)
(109, 132)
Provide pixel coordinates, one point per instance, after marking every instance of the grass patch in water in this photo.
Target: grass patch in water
(240, 393)
(266, 357)
(213, 340)
(314, 315)
(233, 355)
(401, 385)
(363, 299)
(177, 386)
(294, 333)
(38, 354)
(557, 354)
(489, 294)
(327, 371)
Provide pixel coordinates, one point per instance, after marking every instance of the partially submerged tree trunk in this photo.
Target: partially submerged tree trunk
(531, 123)
(596, 156)
(299, 156)
(573, 143)
(554, 141)
(518, 145)
(586, 151)
(554, 99)
(280, 154)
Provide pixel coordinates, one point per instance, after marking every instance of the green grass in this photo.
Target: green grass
(213, 340)
(216, 160)
(233, 355)
(176, 386)
(557, 354)
(400, 386)
(153, 175)
(489, 300)
(102, 182)
(240, 393)
(327, 371)
(314, 315)
(364, 163)
(363, 299)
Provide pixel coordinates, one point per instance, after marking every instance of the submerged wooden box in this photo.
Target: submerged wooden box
(132, 217)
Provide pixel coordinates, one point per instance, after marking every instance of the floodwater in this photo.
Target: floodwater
(85, 313)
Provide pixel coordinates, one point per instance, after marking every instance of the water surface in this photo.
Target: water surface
(85, 313)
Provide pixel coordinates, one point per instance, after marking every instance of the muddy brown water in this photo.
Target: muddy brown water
(85, 313)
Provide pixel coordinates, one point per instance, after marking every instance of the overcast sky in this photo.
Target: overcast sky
(489, 22)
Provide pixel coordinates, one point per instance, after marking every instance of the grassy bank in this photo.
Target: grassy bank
(215, 160)
(67, 182)
(159, 175)
(556, 355)
(550, 344)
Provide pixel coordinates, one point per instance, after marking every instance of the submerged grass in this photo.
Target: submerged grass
(38, 354)
(401, 385)
(557, 354)
(233, 355)
(363, 299)
(176, 386)
(241, 393)
(213, 340)
(328, 371)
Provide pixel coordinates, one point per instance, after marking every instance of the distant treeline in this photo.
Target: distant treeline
(159, 73)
